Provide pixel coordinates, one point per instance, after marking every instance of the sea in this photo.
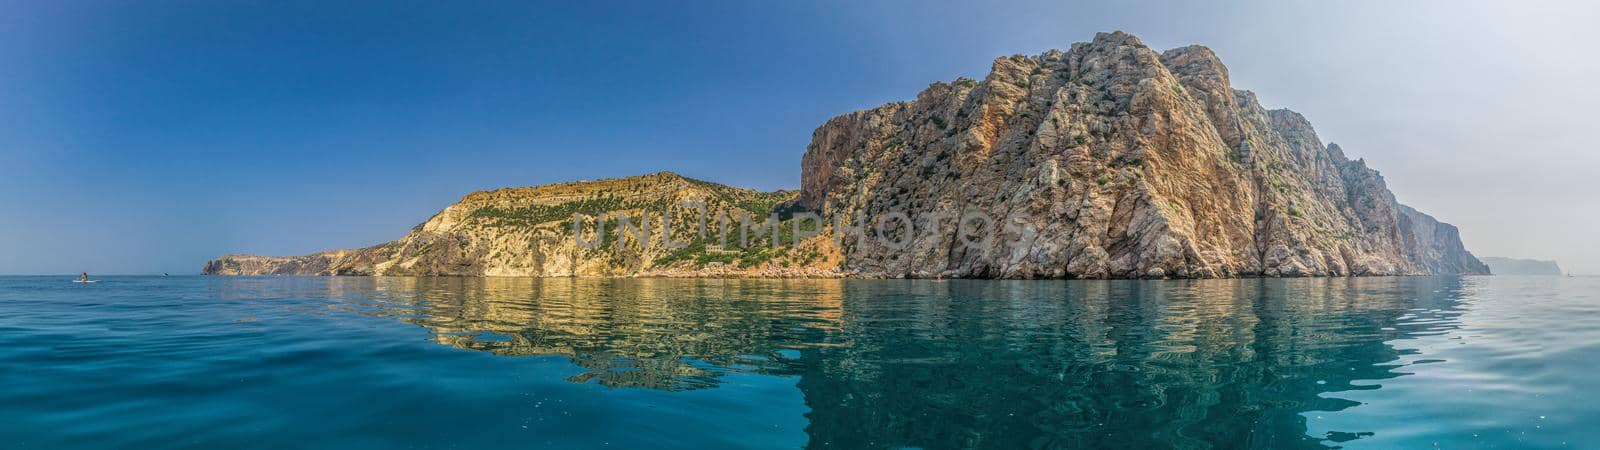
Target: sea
(488, 363)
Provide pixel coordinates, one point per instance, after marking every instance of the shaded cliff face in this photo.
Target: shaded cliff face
(1113, 160)
(529, 232)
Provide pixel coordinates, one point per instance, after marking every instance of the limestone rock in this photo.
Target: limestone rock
(1113, 160)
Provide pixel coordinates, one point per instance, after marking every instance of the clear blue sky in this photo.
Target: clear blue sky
(148, 137)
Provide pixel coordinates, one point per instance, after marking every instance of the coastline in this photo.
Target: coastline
(835, 275)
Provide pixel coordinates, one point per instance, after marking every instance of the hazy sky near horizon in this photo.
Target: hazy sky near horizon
(149, 137)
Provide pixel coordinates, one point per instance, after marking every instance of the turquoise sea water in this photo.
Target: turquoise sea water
(198, 362)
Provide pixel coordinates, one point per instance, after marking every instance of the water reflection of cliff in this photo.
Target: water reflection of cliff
(1185, 364)
(967, 364)
(663, 334)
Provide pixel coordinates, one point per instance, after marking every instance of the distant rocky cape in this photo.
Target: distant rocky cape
(1514, 266)
(1107, 160)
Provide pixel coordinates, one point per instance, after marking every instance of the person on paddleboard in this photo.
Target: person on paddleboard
(84, 278)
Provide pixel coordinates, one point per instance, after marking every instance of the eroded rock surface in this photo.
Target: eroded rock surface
(1113, 160)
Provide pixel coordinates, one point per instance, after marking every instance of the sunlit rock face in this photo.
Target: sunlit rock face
(1113, 160)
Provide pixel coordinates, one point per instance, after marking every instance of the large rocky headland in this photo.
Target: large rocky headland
(1516, 266)
(1105, 160)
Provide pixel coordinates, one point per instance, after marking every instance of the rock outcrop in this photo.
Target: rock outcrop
(1515, 266)
(1108, 160)
(529, 232)
(1113, 160)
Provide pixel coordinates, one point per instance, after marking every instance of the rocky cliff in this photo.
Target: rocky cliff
(1113, 160)
(1514, 266)
(1108, 160)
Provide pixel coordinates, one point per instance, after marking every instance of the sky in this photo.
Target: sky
(148, 137)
